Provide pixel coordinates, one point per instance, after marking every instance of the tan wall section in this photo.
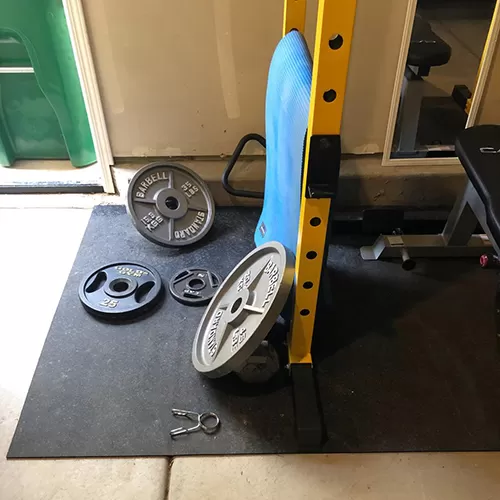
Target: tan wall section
(188, 78)
(182, 77)
(375, 52)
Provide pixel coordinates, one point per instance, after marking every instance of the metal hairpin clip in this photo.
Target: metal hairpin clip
(203, 422)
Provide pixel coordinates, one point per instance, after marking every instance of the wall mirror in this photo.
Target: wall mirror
(446, 53)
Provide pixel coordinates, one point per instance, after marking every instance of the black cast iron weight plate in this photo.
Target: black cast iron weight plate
(170, 205)
(121, 291)
(194, 286)
(243, 310)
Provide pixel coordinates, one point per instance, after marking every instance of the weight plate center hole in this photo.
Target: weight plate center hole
(236, 305)
(120, 286)
(172, 203)
(196, 284)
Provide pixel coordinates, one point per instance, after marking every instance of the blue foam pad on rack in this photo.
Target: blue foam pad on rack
(287, 112)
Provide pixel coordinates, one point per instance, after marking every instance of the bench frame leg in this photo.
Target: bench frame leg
(412, 93)
(456, 240)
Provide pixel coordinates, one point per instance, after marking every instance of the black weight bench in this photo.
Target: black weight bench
(478, 148)
(427, 50)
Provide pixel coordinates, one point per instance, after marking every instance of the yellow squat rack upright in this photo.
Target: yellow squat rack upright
(334, 32)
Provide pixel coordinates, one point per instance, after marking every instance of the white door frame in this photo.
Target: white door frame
(88, 80)
(484, 69)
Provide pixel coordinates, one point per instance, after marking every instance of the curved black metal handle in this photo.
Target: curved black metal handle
(232, 162)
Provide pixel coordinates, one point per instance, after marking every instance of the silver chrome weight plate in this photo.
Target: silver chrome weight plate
(243, 310)
(170, 205)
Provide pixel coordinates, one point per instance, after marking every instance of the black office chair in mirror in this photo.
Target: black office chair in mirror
(447, 42)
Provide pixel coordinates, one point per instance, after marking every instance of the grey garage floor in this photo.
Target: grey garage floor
(37, 247)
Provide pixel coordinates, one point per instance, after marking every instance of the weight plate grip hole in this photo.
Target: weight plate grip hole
(143, 291)
(97, 282)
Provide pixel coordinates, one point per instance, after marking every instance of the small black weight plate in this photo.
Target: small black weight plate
(194, 286)
(121, 291)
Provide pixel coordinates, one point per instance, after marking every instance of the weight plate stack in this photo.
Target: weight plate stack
(121, 291)
(170, 205)
(243, 310)
(261, 366)
(194, 286)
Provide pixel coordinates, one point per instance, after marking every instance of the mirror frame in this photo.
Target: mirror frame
(483, 72)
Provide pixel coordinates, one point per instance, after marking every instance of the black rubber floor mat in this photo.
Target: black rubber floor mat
(405, 361)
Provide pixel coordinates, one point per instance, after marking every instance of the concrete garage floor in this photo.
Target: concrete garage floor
(37, 249)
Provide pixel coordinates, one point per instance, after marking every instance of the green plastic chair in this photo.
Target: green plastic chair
(40, 26)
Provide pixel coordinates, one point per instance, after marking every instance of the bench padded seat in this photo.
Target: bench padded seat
(478, 148)
(426, 48)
